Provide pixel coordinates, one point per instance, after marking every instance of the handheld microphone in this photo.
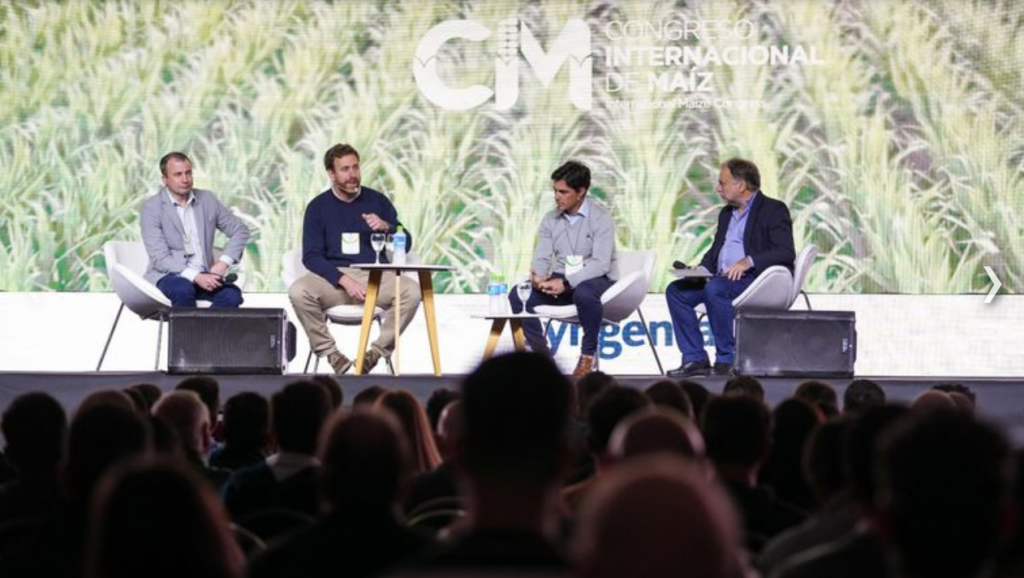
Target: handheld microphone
(230, 278)
(678, 265)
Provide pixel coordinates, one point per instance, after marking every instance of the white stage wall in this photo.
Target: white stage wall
(898, 335)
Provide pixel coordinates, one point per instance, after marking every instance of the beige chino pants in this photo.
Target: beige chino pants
(311, 295)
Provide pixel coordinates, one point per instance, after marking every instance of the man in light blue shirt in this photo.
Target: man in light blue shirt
(754, 233)
(575, 251)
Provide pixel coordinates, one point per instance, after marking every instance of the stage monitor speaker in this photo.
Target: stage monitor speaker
(796, 343)
(240, 341)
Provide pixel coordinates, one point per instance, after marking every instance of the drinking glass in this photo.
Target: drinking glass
(377, 242)
(524, 289)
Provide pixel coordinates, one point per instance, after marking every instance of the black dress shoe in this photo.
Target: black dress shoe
(691, 369)
(723, 369)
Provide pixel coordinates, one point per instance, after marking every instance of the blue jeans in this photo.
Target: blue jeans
(716, 295)
(587, 299)
(183, 293)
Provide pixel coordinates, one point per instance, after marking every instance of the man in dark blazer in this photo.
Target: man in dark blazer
(754, 233)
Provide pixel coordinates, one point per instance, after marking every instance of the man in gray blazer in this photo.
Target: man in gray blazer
(575, 251)
(178, 225)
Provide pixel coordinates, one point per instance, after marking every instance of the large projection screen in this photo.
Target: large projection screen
(891, 128)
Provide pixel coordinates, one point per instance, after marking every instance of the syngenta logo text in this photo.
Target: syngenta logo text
(514, 37)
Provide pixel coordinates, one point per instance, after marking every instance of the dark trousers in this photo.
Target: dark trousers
(587, 299)
(716, 295)
(183, 293)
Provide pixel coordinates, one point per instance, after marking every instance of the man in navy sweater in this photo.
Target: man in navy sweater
(754, 233)
(336, 235)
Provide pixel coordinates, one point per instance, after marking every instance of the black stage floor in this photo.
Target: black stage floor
(1000, 400)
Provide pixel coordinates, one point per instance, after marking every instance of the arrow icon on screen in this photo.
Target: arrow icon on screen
(996, 284)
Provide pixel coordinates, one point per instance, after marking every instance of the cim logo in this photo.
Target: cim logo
(514, 37)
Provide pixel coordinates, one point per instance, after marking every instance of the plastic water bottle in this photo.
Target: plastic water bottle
(401, 243)
(503, 305)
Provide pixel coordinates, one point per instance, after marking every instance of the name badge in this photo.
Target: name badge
(573, 264)
(350, 243)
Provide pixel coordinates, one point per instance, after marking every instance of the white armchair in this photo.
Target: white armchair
(351, 315)
(632, 274)
(775, 289)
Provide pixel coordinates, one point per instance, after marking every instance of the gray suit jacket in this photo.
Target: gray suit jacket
(164, 235)
(593, 238)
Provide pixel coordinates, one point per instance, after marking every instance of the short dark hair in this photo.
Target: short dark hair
(515, 411)
(746, 171)
(609, 408)
(737, 428)
(574, 173)
(175, 156)
(862, 394)
(667, 393)
(336, 152)
(246, 420)
(744, 385)
(330, 383)
(34, 426)
(438, 400)
(299, 411)
(590, 386)
(699, 397)
(945, 483)
(819, 394)
(368, 396)
(366, 461)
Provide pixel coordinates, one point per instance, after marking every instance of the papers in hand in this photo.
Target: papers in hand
(698, 272)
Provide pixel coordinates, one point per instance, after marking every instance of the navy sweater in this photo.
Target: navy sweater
(327, 217)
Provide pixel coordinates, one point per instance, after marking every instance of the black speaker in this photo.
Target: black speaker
(230, 341)
(796, 343)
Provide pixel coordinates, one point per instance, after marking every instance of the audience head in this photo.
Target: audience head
(139, 401)
(667, 393)
(438, 400)
(208, 391)
(793, 421)
(449, 427)
(159, 519)
(100, 436)
(744, 385)
(589, 387)
(737, 431)
(35, 427)
(957, 388)
(106, 397)
(819, 394)
(867, 428)
(188, 417)
(246, 421)
(862, 394)
(368, 396)
(366, 463)
(415, 427)
(945, 493)
(657, 517)
(150, 392)
(699, 396)
(515, 411)
(297, 413)
(609, 408)
(658, 429)
(824, 459)
(932, 400)
(334, 393)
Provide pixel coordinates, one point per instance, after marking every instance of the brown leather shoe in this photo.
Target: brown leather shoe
(373, 355)
(339, 362)
(585, 365)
